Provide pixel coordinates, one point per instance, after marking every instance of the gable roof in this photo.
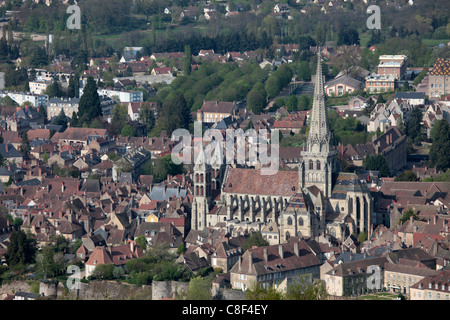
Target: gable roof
(251, 181)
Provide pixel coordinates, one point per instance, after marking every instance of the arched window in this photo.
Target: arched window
(311, 165)
(289, 221)
(300, 221)
(317, 165)
(288, 235)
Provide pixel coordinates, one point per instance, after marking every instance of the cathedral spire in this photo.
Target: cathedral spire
(319, 136)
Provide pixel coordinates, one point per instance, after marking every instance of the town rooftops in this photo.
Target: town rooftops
(410, 95)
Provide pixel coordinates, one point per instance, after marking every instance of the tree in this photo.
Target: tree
(407, 175)
(89, 106)
(414, 128)
(291, 103)
(141, 242)
(347, 36)
(258, 292)
(187, 60)
(147, 116)
(257, 98)
(306, 289)
(25, 146)
(370, 105)
(304, 71)
(175, 114)
(73, 86)
(127, 131)
(21, 249)
(377, 163)
(54, 90)
(408, 214)
(198, 289)
(255, 239)
(362, 237)
(61, 119)
(440, 149)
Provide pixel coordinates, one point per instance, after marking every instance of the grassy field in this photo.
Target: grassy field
(379, 296)
(434, 42)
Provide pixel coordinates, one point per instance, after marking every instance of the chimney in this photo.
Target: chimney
(435, 219)
(250, 262)
(132, 246)
(296, 249)
(266, 254)
(70, 218)
(6, 147)
(280, 251)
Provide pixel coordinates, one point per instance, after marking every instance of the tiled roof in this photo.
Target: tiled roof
(267, 259)
(346, 182)
(251, 181)
(441, 68)
(218, 106)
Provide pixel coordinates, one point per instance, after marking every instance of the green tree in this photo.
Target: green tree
(257, 98)
(127, 131)
(198, 289)
(377, 163)
(408, 214)
(440, 149)
(147, 116)
(291, 103)
(61, 119)
(255, 239)
(25, 146)
(141, 242)
(89, 106)
(306, 289)
(407, 175)
(21, 249)
(414, 128)
(187, 60)
(304, 71)
(257, 292)
(54, 90)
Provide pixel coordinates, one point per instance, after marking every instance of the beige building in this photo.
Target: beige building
(215, 111)
(56, 105)
(399, 278)
(435, 287)
(355, 277)
(380, 83)
(439, 79)
(270, 265)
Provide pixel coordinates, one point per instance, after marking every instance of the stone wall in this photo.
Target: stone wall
(167, 289)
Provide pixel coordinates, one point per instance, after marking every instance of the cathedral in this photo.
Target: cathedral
(313, 201)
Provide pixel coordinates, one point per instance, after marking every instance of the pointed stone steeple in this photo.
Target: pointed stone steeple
(319, 159)
(319, 137)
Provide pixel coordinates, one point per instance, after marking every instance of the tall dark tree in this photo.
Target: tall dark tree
(377, 163)
(89, 106)
(187, 60)
(25, 146)
(440, 149)
(414, 127)
(21, 249)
